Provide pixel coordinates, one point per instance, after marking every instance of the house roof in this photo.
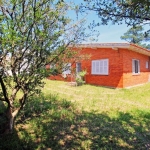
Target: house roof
(116, 46)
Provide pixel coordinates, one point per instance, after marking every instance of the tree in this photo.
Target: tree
(130, 11)
(136, 35)
(30, 33)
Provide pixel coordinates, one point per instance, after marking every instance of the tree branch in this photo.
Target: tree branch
(4, 91)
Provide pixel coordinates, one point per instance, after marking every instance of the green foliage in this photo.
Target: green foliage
(130, 11)
(2, 107)
(33, 34)
(3, 118)
(146, 46)
(101, 118)
(79, 80)
(80, 77)
(82, 73)
(136, 35)
(54, 71)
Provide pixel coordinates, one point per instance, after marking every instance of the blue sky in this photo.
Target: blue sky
(108, 33)
(111, 33)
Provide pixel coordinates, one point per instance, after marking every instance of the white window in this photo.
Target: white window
(146, 64)
(135, 66)
(52, 66)
(78, 67)
(100, 67)
(67, 69)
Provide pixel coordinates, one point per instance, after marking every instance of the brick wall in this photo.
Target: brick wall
(120, 68)
(114, 78)
(59, 77)
(129, 79)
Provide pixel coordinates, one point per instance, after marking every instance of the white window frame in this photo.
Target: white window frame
(100, 67)
(67, 68)
(147, 65)
(78, 67)
(135, 66)
(52, 66)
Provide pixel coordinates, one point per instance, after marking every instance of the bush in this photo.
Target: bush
(80, 77)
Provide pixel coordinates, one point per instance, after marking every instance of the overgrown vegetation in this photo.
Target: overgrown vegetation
(80, 77)
(83, 117)
(33, 34)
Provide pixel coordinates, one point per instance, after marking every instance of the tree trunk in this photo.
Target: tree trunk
(10, 121)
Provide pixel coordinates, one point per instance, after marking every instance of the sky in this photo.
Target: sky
(111, 33)
(107, 33)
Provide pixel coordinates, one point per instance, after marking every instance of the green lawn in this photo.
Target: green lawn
(83, 118)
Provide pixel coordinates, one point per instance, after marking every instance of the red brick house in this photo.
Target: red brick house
(116, 65)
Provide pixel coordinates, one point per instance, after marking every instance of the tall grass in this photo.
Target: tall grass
(83, 118)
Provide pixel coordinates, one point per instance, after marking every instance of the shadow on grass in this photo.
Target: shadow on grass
(56, 124)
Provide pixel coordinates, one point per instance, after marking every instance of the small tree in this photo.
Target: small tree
(30, 33)
(80, 77)
(136, 35)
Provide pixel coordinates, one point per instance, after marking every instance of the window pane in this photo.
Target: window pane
(67, 69)
(78, 67)
(97, 66)
(147, 64)
(105, 63)
(100, 67)
(93, 67)
(101, 63)
(105, 70)
(135, 66)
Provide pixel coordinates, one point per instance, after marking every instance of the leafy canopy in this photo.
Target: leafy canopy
(31, 31)
(136, 35)
(130, 11)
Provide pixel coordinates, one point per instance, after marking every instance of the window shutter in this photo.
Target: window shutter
(100, 67)
(146, 64)
(67, 69)
(133, 66)
(93, 67)
(97, 67)
(138, 66)
(105, 66)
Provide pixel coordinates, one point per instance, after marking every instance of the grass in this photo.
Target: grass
(83, 118)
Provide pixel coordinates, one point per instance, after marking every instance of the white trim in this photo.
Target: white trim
(67, 69)
(78, 67)
(135, 69)
(147, 65)
(100, 67)
(128, 46)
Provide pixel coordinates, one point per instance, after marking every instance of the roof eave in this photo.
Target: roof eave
(139, 49)
(116, 46)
